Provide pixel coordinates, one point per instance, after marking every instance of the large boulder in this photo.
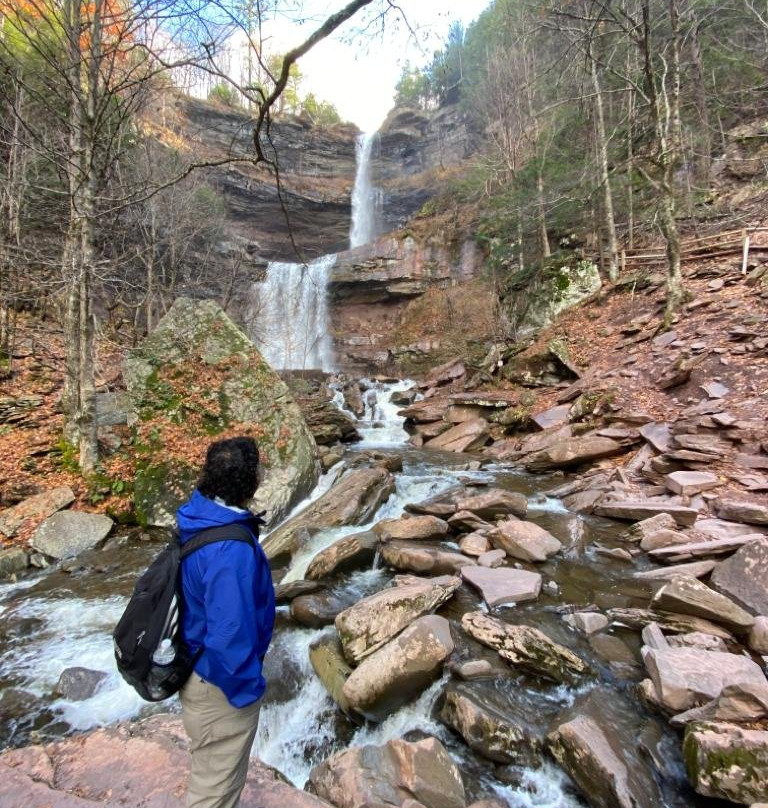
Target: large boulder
(465, 437)
(144, 763)
(350, 552)
(687, 595)
(69, 533)
(401, 669)
(503, 586)
(197, 368)
(491, 730)
(525, 541)
(727, 761)
(607, 770)
(352, 501)
(412, 527)
(687, 677)
(327, 660)
(39, 506)
(373, 621)
(743, 576)
(525, 647)
(390, 775)
(494, 503)
(573, 452)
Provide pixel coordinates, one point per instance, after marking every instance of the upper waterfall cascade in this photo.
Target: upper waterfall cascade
(365, 197)
(289, 311)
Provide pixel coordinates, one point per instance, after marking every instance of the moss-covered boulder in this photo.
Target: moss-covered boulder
(197, 378)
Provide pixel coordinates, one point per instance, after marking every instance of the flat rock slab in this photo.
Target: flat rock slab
(717, 547)
(412, 527)
(392, 774)
(69, 533)
(744, 577)
(687, 595)
(499, 586)
(573, 452)
(553, 417)
(525, 647)
(144, 763)
(40, 506)
(696, 569)
(635, 510)
(752, 513)
(687, 677)
(690, 483)
(659, 435)
(727, 761)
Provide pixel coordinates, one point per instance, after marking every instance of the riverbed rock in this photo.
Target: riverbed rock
(525, 647)
(687, 595)
(489, 729)
(686, 677)
(696, 569)
(727, 761)
(40, 506)
(465, 437)
(758, 636)
(751, 513)
(327, 659)
(743, 577)
(572, 452)
(69, 533)
(669, 621)
(79, 684)
(589, 748)
(162, 372)
(318, 609)
(586, 622)
(664, 538)
(142, 763)
(494, 503)
(474, 544)
(466, 520)
(648, 528)
(351, 552)
(500, 586)
(380, 776)
(352, 501)
(525, 541)
(401, 669)
(421, 559)
(412, 527)
(373, 621)
(13, 560)
(285, 593)
(699, 549)
(740, 703)
(492, 559)
(635, 510)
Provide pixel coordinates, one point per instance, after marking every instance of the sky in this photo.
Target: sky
(357, 71)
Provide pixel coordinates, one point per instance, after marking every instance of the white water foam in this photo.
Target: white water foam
(74, 633)
(545, 787)
(288, 316)
(380, 425)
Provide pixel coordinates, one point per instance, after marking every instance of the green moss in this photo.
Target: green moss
(65, 456)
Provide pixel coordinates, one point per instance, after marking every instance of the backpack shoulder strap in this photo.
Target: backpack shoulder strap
(233, 532)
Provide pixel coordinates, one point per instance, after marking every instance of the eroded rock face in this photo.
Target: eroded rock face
(525, 647)
(198, 333)
(373, 621)
(352, 501)
(399, 670)
(388, 775)
(727, 761)
(144, 763)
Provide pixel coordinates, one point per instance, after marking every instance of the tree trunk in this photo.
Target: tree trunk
(605, 178)
(704, 157)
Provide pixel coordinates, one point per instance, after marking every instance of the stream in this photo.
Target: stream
(57, 619)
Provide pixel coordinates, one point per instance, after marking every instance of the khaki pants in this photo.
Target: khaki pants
(221, 737)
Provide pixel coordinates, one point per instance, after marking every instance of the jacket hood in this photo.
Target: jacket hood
(200, 513)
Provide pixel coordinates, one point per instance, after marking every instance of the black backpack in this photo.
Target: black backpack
(150, 652)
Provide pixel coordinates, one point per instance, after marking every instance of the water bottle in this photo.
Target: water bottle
(164, 653)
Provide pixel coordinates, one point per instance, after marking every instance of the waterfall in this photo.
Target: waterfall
(289, 316)
(365, 198)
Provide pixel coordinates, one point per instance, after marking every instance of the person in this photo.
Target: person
(228, 617)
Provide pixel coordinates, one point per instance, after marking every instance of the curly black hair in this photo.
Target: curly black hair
(231, 471)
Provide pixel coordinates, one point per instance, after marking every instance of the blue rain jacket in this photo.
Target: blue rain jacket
(229, 602)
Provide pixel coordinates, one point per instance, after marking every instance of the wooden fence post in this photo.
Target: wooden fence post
(745, 251)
